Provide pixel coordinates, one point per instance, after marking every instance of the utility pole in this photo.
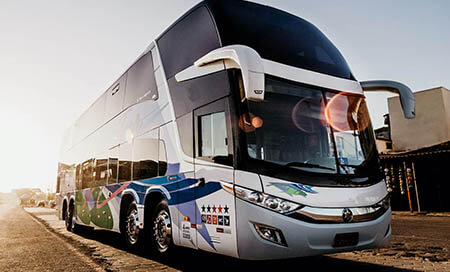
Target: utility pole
(415, 184)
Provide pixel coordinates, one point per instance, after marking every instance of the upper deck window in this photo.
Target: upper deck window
(279, 36)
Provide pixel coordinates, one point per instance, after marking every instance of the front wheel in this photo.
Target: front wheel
(161, 230)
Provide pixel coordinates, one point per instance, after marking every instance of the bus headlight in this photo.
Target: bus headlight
(267, 201)
(385, 203)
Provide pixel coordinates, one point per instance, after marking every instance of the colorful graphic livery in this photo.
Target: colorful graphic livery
(241, 131)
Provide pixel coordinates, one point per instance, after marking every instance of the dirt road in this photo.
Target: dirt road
(26, 245)
(38, 241)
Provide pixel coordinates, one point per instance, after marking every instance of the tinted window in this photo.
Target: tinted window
(141, 83)
(125, 162)
(145, 156)
(100, 173)
(278, 36)
(79, 178)
(87, 172)
(113, 165)
(187, 40)
(185, 129)
(115, 98)
(191, 94)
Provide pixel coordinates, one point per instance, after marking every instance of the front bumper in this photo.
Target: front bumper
(302, 238)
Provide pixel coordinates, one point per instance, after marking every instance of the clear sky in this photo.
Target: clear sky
(58, 56)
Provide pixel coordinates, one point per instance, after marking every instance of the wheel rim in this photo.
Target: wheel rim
(162, 231)
(132, 226)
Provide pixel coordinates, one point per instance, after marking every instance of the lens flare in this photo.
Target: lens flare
(303, 115)
(347, 113)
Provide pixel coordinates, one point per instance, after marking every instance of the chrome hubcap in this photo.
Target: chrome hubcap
(132, 226)
(162, 231)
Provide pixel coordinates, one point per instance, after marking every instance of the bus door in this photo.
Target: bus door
(213, 164)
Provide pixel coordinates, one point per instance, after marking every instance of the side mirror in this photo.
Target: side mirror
(234, 56)
(406, 95)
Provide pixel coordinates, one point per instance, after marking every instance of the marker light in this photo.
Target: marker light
(267, 201)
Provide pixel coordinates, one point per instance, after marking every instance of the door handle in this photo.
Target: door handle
(201, 182)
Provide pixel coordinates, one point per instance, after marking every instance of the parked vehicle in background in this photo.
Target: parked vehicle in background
(241, 131)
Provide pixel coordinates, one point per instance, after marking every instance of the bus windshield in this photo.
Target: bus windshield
(310, 129)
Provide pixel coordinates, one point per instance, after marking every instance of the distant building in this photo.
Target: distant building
(421, 145)
(383, 137)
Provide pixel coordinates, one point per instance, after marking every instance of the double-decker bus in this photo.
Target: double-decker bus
(241, 131)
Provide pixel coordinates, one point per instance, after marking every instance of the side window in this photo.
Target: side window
(100, 173)
(141, 84)
(87, 173)
(113, 159)
(115, 98)
(188, 40)
(145, 156)
(125, 162)
(78, 178)
(213, 135)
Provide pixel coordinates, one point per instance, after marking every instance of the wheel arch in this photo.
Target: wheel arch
(127, 198)
(64, 208)
(152, 198)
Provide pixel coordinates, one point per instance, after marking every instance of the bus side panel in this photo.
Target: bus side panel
(216, 220)
(182, 166)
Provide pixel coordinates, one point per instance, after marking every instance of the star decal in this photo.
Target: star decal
(214, 208)
(226, 209)
(203, 208)
(220, 209)
(208, 208)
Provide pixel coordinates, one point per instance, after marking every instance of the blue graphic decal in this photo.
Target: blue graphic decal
(189, 194)
(182, 193)
(186, 210)
(180, 184)
(293, 189)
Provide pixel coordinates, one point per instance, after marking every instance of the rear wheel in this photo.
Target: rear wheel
(70, 225)
(161, 230)
(130, 227)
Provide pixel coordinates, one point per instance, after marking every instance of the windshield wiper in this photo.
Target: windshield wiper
(349, 165)
(308, 165)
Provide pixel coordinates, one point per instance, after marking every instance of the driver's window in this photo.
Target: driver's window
(213, 135)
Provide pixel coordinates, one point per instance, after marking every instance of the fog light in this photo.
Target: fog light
(271, 234)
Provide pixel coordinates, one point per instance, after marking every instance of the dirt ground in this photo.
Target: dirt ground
(38, 241)
(425, 237)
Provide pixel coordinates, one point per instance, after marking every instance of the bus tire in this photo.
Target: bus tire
(131, 232)
(70, 225)
(161, 230)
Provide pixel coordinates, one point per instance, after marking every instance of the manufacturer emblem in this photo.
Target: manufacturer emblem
(347, 215)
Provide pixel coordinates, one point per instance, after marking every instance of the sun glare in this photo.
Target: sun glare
(28, 159)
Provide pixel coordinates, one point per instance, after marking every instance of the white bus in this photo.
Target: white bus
(240, 131)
